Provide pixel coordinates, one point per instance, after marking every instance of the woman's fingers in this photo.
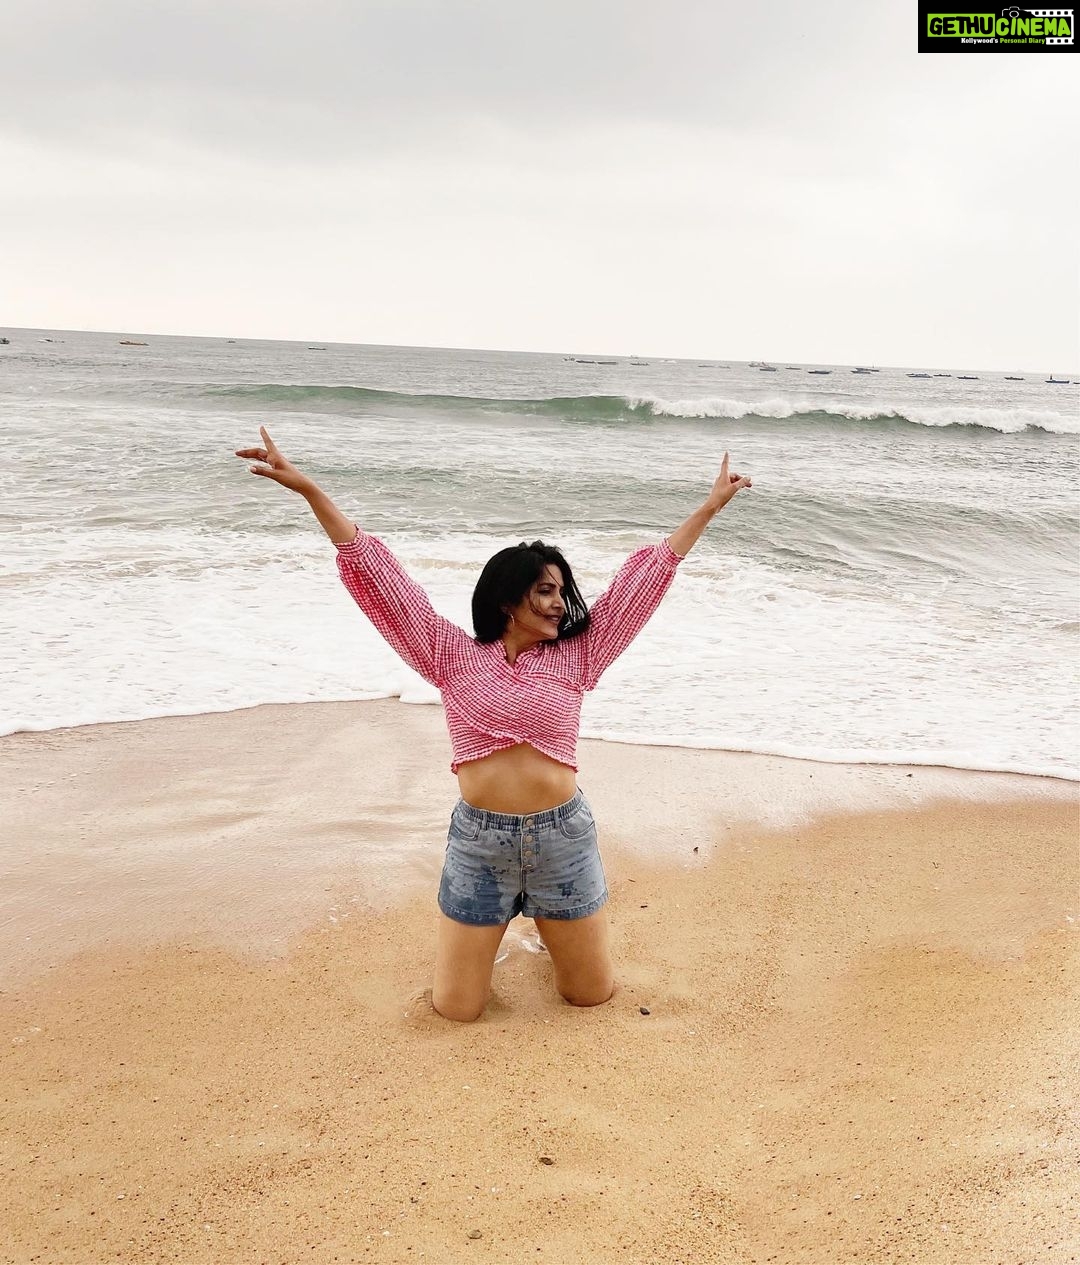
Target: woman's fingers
(269, 454)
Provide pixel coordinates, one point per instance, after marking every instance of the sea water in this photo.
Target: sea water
(900, 585)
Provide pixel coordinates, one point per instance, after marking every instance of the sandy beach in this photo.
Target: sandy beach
(844, 1029)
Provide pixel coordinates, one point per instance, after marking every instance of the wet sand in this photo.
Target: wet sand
(215, 932)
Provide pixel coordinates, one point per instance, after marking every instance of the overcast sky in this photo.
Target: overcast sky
(781, 180)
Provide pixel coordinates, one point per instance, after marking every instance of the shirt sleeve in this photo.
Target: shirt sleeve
(623, 610)
(398, 607)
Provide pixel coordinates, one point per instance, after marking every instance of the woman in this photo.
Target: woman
(522, 837)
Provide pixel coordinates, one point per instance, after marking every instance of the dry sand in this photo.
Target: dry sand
(860, 1043)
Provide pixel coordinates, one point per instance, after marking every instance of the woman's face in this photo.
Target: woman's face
(540, 610)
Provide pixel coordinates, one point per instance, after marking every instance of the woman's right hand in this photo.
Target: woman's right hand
(275, 466)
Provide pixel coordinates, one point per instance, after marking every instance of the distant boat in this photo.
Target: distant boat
(1015, 379)
(585, 362)
(966, 377)
(316, 349)
(918, 375)
(129, 342)
(942, 375)
(607, 362)
(864, 370)
(5, 342)
(819, 371)
(766, 368)
(639, 362)
(793, 366)
(1058, 382)
(758, 364)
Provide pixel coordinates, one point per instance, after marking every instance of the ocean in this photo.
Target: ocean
(901, 585)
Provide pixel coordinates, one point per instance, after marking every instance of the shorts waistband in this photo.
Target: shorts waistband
(514, 821)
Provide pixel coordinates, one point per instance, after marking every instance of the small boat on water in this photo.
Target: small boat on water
(639, 362)
(942, 375)
(316, 349)
(1015, 379)
(1058, 382)
(819, 371)
(5, 342)
(966, 377)
(793, 366)
(128, 342)
(607, 362)
(918, 375)
(766, 368)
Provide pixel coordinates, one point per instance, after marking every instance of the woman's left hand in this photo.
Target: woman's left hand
(726, 486)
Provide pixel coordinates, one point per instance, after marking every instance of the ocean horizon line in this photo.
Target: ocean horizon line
(324, 343)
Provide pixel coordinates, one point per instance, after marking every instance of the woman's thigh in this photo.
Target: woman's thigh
(464, 960)
(581, 956)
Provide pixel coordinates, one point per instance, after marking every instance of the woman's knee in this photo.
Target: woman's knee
(459, 1015)
(455, 1006)
(595, 996)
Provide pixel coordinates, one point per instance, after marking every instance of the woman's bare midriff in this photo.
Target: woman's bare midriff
(516, 780)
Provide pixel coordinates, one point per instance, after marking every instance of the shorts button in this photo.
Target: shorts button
(528, 838)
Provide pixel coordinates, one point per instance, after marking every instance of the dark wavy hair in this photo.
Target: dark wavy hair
(505, 580)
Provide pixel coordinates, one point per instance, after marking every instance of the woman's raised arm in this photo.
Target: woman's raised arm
(398, 607)
(686, 536)
(624, 608)
(340, 529)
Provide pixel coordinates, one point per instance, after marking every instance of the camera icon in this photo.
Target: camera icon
(1014, 11)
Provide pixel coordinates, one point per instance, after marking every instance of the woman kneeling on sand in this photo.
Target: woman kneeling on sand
(522, 838)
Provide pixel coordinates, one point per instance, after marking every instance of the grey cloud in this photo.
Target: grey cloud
(277, 76)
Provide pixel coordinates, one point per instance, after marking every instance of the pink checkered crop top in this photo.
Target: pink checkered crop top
(489, 704)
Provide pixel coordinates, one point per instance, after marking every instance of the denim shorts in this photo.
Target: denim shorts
(542, 865)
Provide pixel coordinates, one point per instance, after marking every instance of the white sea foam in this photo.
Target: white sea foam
(739, 656)
(1005, 420)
